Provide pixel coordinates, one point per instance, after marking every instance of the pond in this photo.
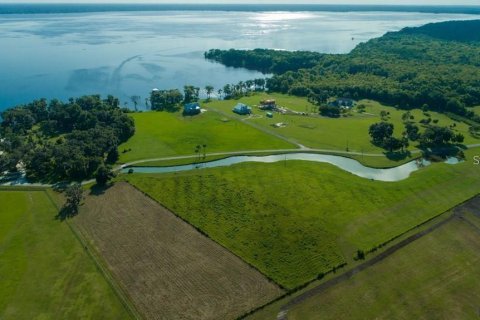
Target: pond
(391, 174)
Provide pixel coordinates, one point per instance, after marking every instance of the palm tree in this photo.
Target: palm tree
(241, 85)
(227, 90)
(209, 89)
(248, 85)
(197, 151)
(135, 100)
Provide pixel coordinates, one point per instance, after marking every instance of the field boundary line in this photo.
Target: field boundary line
(422, 224)
(123, 296)
(23, 188)
(283, 314)
(470, 223)
(206, 235)
(293, 291)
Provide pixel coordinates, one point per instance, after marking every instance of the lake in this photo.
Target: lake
(125, 53)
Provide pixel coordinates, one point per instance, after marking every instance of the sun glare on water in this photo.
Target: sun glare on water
(282, 16)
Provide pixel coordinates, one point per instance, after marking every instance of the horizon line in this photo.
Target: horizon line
(241, 4)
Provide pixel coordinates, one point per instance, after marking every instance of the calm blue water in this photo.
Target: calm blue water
(391, 175)
(76, 8)
(125, 53)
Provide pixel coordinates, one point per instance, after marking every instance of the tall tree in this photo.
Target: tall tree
(191, 93)
(380, 132)
(104, 174)
(209, 90)
(135, 100)
(74, 196)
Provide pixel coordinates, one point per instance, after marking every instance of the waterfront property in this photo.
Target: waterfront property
(242, 109)
(191, 109)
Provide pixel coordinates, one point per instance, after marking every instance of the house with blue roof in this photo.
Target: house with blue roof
(191, 109)
(242, 109)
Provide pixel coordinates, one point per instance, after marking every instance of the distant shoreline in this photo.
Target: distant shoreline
(26, 8)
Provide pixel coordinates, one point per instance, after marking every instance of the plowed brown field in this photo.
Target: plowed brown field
(167, 268)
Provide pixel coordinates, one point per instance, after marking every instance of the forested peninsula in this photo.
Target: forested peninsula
(434, 67)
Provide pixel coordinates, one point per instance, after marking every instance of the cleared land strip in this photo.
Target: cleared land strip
(457, 214)
(169, 269)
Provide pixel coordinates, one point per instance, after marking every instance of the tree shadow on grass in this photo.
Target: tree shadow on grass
(65, 213)
(398, 155)
(440, 153)
(98, 190)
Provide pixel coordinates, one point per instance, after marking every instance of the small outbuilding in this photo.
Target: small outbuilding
(269, 115)
(242, 109)
(191, 109)
(342, 103)
(269, 104)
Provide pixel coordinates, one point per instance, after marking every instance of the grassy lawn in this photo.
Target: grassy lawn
(344, 133)
(476, 110)
(296, 220)
(435, 277)
(44, 271)
(163, 134)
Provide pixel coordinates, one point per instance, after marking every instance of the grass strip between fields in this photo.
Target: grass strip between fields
(99, 264)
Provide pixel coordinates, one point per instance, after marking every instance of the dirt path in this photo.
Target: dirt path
(457, 214)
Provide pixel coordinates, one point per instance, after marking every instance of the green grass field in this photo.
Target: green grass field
(296, 220)
(163, 134)
(44, 271)
(477, 110)
(435, 277)
(344, 133)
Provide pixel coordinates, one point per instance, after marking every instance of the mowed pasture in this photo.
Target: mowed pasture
(341, 134)
(476, 110)
(166, 267)
(163, 134)
(44, 271)
(435, 277)
(295, 220)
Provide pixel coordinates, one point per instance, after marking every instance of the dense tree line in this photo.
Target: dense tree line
(242, 88)
(169, 100)
(433, 136)
(265, 60)
(414, 68)
(63, 140)
(467, 31)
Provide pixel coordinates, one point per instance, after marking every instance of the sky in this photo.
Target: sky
(377, 2)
